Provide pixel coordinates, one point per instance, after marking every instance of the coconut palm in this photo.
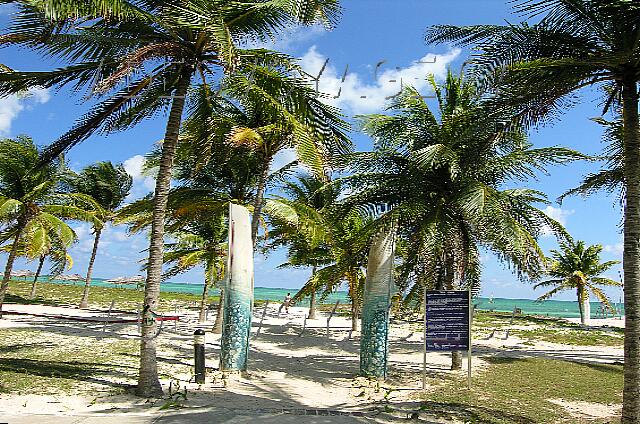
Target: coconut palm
(443, 175)
(304, 250)
(343, 235)
(538, 68)
(167, 47)
(108, 185)
(60, 260)
(200, 243)
(52, 247)
(578, 268)
(248, 120)
(33, 205)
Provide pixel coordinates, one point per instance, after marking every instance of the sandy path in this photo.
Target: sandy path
(298, 375)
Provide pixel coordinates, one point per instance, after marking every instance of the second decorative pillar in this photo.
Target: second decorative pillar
(238, 292)
(378, 289)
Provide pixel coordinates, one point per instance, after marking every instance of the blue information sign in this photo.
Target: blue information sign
(447, 320)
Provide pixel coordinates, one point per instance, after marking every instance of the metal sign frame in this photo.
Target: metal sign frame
(468, 324)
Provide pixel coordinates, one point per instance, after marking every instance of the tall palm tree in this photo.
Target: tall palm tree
(271, 119)
(442, 175)
(578, 268)
(33, 204)
(52, 246)
(200, 243)
(343, 235)
(169, 45)
(538, 67)
(108, 185)
(304, 249)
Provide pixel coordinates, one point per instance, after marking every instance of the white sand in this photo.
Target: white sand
(606, 322)
(287, 370)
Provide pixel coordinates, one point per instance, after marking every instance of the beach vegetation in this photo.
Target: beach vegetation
(448, 177)
(168, 49)
(537, 67)
(108, 185)
(34, 205)
(578, 267)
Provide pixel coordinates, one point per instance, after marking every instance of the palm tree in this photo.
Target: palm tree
(32, 204)
(52, 247)
(343, 235)
(538, 67)
(443, 176)
(578, 268)
(202, 243)
(60, 261)
(304, 250)
(169, 46)
(108, 185)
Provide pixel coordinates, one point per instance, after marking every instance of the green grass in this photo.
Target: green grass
(56, 361)
(553, 330)
(577, 337)
(518, 391)
(39, 362)
(99, 297)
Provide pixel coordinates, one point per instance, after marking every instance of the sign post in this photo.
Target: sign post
(469, 351)
(448, 316)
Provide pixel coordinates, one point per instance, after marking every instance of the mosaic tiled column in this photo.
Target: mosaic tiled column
(378, 289)
(238, 292)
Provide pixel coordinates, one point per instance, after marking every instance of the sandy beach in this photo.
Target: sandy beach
(291, 371)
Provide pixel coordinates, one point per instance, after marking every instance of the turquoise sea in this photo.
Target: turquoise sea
(553, 308)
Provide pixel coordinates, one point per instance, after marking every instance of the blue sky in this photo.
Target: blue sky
(370, 32)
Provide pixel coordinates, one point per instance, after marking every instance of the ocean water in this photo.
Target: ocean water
(552, 308)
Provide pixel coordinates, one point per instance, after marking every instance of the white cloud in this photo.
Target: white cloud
(142, 183)
(11, 106)
(559, 215)
(617, 249)
(358, 96)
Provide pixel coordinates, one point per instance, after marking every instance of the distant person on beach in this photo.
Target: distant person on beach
(287, 302)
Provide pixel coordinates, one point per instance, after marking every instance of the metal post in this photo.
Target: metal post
(469, 352)
(331, 315)
(198, 353)
(264, 312)
(424, 343)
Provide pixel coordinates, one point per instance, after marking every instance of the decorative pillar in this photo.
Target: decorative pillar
(238, 292)
(378, 290)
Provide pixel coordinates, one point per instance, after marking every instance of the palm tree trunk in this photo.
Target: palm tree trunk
(35, 278)
(353, 288)
(312, 301)
(205, 293)
(259, 200)
(631, 255)
(148, 382)
(9, 267)
(217, 325)
(580, 305)
(354, 315)
(84, 302)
